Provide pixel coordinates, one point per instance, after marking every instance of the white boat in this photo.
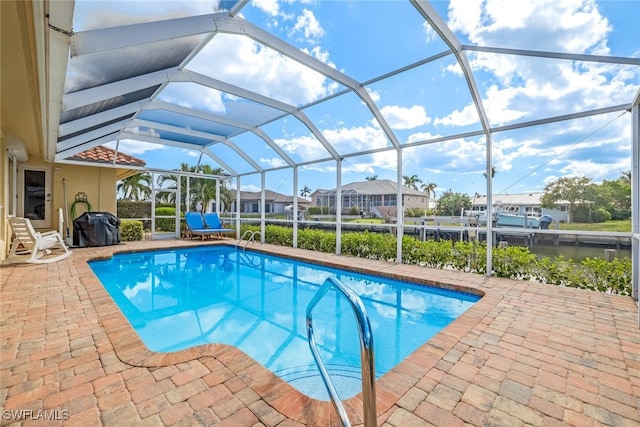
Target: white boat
(515, 219)
(504, 219)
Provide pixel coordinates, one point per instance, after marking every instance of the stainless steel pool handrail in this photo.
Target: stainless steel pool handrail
(367, 361)
(250, 239)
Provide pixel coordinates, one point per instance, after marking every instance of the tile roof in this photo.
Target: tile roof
(102, 154)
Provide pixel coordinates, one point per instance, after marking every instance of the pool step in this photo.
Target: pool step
(346, 379)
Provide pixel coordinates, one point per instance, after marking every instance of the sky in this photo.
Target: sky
(368, 39)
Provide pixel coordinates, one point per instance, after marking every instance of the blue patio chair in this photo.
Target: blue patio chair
(213, 223)
(196, 227)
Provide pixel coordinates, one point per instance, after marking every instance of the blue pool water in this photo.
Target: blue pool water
(176, 299)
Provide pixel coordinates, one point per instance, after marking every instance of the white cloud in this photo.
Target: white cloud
(352, 140)
(305, 147)
(530, 88)
(270, 7)
(430, 34)
(273, 162)
(308, 25)
(553, 25)
(250, 187)
(468, 115)
(405, 118)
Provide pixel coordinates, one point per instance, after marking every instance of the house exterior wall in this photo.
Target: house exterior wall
(370, 203)
(98, 183)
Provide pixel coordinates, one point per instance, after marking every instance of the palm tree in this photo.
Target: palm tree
(135, 187)
(169, 197)
(430, 189)
(201, 190)
(411, 181)
(372, 178)
(626, 176)
(305, 191)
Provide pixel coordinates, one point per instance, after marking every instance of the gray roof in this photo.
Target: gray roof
(510, 199)
(525, 199)
(378, 187)
(270, 197)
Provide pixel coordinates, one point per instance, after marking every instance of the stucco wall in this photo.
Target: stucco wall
(98, 183)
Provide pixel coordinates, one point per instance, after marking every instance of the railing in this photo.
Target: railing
(250, 239)
(366, 353)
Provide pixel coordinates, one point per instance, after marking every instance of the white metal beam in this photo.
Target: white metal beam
(61, 155)
(112, 38)
(93, 120)
(178, 144)
(554, 55)
(440, 27)
(261, 99)
(197, 134)
(229, 143)
(110, 90)
(161, 105)
(91, 135)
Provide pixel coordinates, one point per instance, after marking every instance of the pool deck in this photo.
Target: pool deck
(525, 354)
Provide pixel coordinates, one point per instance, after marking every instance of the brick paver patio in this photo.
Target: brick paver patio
(526, 354)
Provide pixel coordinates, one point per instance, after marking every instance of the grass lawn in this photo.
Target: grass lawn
(368, 220)
(617, 226)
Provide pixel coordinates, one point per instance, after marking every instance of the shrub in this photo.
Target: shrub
(513, 262)
(581, 213)
(320, 210)
(414, 212)
(601, 215)
(131, 230)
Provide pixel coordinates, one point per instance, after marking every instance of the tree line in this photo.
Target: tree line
(588, 201)
(202, 191)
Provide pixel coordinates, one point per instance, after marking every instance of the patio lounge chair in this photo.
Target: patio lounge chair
(213, 223)
(196, 227)
(35, 247)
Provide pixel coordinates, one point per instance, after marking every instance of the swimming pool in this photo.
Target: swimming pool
(177, 299)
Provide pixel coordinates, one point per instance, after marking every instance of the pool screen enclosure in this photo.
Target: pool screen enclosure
(143, 67)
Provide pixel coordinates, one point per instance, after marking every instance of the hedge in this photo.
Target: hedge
(512, 262)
